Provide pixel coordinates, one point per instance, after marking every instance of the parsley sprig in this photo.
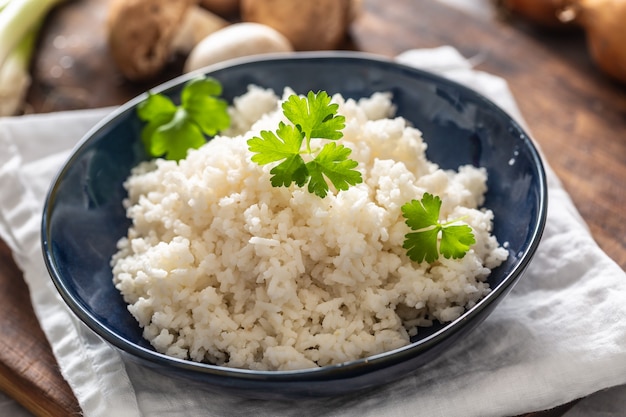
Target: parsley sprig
(312, 117)
(431, 236)
(172, 130)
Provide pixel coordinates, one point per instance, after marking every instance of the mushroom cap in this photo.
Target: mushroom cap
(308, 24)
(140, 34)
(237, 40)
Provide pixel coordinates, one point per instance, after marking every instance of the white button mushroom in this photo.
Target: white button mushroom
(234, 41)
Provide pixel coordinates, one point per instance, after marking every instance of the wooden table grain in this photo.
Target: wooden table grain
(576, 115)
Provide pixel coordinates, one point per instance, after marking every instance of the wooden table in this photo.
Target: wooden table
(576, 115)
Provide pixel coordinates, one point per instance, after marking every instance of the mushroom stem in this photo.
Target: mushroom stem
(197, 24)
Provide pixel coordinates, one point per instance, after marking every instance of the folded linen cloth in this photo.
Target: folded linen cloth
(559, 335)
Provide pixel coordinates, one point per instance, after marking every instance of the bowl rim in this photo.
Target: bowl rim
(345, 369)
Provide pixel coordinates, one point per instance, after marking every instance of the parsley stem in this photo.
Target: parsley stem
(308, 144)
(458, 219)
(310, 151)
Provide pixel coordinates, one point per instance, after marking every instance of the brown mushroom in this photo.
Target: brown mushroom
(144, 34)
(601, 20)
(603, 23)
(309, 25)
(546, 13)
(226, 8)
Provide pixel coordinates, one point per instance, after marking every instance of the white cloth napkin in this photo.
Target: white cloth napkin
(559, 335)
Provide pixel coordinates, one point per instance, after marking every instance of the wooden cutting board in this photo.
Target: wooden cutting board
(576, 114)
(28, 370)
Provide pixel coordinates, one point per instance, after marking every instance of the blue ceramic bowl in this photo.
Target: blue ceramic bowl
(83, 217)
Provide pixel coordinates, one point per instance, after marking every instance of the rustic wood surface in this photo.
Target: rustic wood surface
(577, 115)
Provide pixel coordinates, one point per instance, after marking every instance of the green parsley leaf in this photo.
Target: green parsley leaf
(172, 130)
(292, 169)
(332, 162)
(313, 116)
(422, 216)
(272, 147)
(424, 213)
(422, 245)
(283, 145)
(456, 240)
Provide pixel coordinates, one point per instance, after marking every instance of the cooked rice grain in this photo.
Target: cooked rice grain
(221, 267)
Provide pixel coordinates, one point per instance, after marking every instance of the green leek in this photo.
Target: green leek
(20, 21)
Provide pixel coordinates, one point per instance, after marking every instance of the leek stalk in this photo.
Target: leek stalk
(20, 21)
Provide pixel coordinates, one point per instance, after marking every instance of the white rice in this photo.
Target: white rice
(221, 267)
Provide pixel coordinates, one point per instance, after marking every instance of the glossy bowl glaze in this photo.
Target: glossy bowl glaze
(84, 218)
